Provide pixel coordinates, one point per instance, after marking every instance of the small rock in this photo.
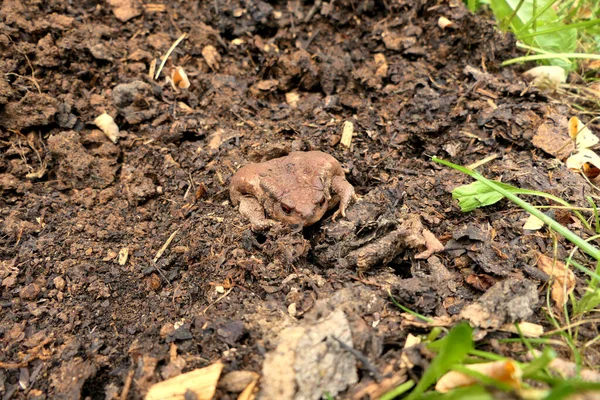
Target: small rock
(30, 292)
(100, 52)
(124, 10)
(126, 93)
(59, 283)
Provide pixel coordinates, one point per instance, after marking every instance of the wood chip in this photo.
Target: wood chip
(347, 133)
(123, 256)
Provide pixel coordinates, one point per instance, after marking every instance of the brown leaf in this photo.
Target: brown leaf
(481, 282)
(552, 137)
(563, 278)
(212, 57)
(432, 245)
(201, 382)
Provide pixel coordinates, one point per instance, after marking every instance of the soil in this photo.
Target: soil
(124, 264)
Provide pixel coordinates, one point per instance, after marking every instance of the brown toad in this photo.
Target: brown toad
(295, 189)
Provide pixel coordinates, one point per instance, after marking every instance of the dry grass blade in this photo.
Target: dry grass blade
(166, 57)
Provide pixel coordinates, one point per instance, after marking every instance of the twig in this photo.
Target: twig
(362, 358)
(313, 10)
(127, 385)
(217, 300)
(160, 252)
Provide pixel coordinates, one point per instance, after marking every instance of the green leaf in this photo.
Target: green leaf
(478, 194)
(526, 17)
(589, 301)
(452, 349)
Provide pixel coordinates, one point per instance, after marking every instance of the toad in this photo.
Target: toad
(296, 189)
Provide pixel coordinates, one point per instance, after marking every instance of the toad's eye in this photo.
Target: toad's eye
(322, 202)
(286, 210)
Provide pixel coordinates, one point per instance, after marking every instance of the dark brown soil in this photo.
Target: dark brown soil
(75, 321)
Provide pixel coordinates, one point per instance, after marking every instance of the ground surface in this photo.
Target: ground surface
(77, 322)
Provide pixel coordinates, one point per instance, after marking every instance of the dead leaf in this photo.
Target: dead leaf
(546, 75)
(527, 329)
(552, 137)
(444, 23)
(583, 136)
(267, 85)
(563, 278)
(569, 369)
(579, 159)
(292, 99)
(506, 371)
(107, 124)
(382, 65)
(411, 341)
(179, 78)
(212, 57)
(481, 282)
(533, 223)
(201, 382)
(432, 245)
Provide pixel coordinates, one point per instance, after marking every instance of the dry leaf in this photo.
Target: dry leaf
(347, 132)
(533, 223)
(545, 74)
(432, 245)
(444, 23)
(292, 99)
(563, 278)
(584, 138)
(552, 137)
(179, 78)
(569, 369)
(267, 85)
(528, 329)
(200, 382)
(506, 371)
(579, 159)
(123, 255)
(481, 282)
(107, 124)
(382, 65)
(411, 341)
(212, 57)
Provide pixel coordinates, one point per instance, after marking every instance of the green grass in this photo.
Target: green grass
(456, 350)
(556, 32)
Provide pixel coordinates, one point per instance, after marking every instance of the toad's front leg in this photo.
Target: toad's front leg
(344, 190)
(254, 211)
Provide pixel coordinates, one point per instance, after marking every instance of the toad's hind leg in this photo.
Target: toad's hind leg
(253, 210)
(345, 191)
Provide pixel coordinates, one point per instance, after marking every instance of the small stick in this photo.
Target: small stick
(127, 386)
(362, 358)
(483, 161)
(160, 252)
